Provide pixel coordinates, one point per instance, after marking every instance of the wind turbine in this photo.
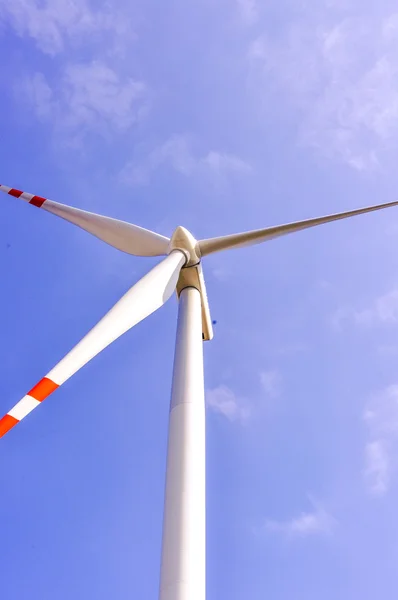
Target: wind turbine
(182, 574)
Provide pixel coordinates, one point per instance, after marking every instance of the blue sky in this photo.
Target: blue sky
(219, 116)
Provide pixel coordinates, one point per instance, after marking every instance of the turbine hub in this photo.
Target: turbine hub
(183, 240)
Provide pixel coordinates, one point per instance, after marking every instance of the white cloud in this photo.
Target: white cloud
(381, 417)
(340, 79)
(248, 10)
(40, 95)
(271, 382)
(95, 92)
(315, 522)
(224, 401)
(377, 467)
(89, 97)
(221, 273)
(53, 23)
(383, 310)
(220, 163)
(177, 153)
(388, 350)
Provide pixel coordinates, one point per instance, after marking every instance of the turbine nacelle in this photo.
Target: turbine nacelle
(183, 240)
(191, 275)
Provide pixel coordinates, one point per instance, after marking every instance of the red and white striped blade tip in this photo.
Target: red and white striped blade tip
(37, 394)
(31, 198)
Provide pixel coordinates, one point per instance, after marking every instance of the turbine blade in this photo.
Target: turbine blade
(258, 236)
(119, 234)
(146, 296)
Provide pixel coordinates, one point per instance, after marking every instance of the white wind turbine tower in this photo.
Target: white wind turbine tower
(183, 546)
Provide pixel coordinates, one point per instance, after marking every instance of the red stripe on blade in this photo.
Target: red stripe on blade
(7, 423)
(37, 201)
(15, 193)
(44, 388)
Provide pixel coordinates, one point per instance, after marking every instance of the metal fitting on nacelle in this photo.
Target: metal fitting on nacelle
(183, 240)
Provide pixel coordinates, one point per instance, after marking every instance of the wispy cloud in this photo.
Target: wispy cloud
(381, 417)
(224, 401)
(271, 382)
(315, 522)
(89, 97)
(52, 24)
(220, 273)
(39, 93)
(383, 310)
(340, 77)
(177, 153)
(377, 467)
(220, 163)
(248, 10)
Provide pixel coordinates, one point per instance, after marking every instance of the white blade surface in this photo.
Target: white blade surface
(146, 296)
(119, 234)
(258, 236)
